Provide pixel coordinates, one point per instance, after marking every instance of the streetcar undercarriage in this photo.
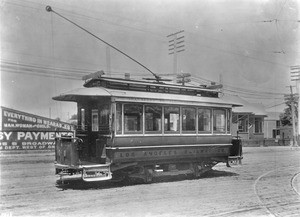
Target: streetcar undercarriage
(137, 172)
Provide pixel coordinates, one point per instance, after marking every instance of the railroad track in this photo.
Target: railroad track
(276, 192)
(293, 184)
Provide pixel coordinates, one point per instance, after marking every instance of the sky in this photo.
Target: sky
(248, 45)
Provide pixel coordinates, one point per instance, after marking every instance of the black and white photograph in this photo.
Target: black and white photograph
(149, 108)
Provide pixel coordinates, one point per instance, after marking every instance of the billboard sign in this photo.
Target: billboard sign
(24, 131)
(30, 140)
(13, 120)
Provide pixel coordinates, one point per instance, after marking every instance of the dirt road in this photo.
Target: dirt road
(266, 184)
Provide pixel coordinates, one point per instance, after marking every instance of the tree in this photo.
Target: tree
(286, 116)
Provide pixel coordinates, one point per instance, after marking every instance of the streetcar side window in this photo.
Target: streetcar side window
(171, 122)
(204, 120)
(189, 119)
(133, 118)
(219, 121)
(82, 115)
(153, 118)
(119, 118)
(95, 120)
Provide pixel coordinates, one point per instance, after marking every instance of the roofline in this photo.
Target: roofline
(86, 84)
(123, 95)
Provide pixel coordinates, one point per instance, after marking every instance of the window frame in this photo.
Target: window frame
(195, 116)
(213, 121)
(145, 119)
(83, 126)
(142, 119)
(210, 120)
(178, 120)
(260, 121)
(120, 107)
(245, 123)
(95, 112)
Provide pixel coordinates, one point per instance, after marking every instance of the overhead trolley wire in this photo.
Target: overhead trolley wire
(245, 92)
(5, 64)
(47, 68)
(49, 9)
(238, 88)
(222, 50)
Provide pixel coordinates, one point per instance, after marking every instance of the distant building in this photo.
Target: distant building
(272, 123)
(274, 129)
(248, 121)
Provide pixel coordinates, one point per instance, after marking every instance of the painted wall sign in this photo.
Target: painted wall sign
(22, 140)
(24, 131)
(13, 120)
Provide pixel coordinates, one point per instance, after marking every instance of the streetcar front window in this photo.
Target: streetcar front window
(171, 115)
(95, 120)
(153, 118)
(219, 121)
(133, 118)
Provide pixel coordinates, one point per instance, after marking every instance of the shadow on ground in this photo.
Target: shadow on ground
(81, 185)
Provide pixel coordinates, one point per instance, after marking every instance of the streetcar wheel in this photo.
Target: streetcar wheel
(148, 175)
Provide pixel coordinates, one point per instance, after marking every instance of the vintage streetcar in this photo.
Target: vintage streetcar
(143, 130)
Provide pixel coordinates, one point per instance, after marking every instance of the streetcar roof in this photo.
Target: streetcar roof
(146, 86)
(92, 82)
(142, 97)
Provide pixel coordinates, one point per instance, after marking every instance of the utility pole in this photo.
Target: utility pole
(183, 78)
(295, 75)
(293, 117)
(175, 46)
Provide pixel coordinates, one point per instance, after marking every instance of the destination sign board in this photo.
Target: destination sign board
(170, 153)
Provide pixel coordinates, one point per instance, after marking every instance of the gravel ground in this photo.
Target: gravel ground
(266, 184)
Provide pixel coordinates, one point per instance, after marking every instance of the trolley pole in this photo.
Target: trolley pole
(175, 46)
(108, 67)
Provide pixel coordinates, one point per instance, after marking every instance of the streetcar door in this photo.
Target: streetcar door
(100, 130)
(94, 127)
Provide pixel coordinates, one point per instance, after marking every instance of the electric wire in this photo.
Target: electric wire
(207, 81)
(66, 72)
(90, 17)
(49, 9)
(4, 63)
